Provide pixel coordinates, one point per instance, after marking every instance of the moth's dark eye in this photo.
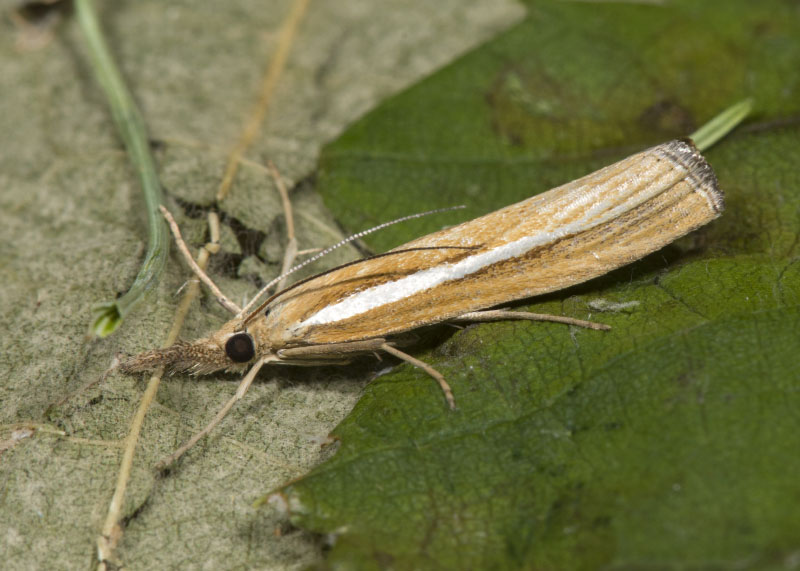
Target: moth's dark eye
(240, 348)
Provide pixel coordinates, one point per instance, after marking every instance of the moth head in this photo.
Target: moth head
(230, 348)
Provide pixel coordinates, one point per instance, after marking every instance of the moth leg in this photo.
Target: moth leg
(240, 392)
(329, 351)
(448, 392)
(502, 315)
(212, 247)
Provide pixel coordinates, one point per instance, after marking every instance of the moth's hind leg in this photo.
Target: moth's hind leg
(207, 250)
(503, 315)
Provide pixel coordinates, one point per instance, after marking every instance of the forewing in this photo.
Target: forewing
(562, 237)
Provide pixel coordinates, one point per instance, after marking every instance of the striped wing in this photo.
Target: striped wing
(562, 237)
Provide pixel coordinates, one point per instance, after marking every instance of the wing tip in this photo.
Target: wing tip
(685, 153)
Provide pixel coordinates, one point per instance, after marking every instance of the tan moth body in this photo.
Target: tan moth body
(562, 237)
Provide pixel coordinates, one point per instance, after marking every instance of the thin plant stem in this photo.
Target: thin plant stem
(109, 315)
(111, 535)
(722, 124)
(268, 84)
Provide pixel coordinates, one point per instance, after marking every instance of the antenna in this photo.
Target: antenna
(347, 240)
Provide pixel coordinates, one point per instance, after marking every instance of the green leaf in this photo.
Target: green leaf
(670, 441)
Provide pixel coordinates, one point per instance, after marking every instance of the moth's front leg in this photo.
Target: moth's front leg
(207, 249)
(247, 380)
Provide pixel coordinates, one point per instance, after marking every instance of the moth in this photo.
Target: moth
(553, 240)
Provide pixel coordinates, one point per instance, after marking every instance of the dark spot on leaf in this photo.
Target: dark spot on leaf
(250, 241)
(42, 13)
(667, 117)
(683, 380)
(601, 521)
(384, 560)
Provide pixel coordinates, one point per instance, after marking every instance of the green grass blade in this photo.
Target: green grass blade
(109, 315)
(722, 124)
